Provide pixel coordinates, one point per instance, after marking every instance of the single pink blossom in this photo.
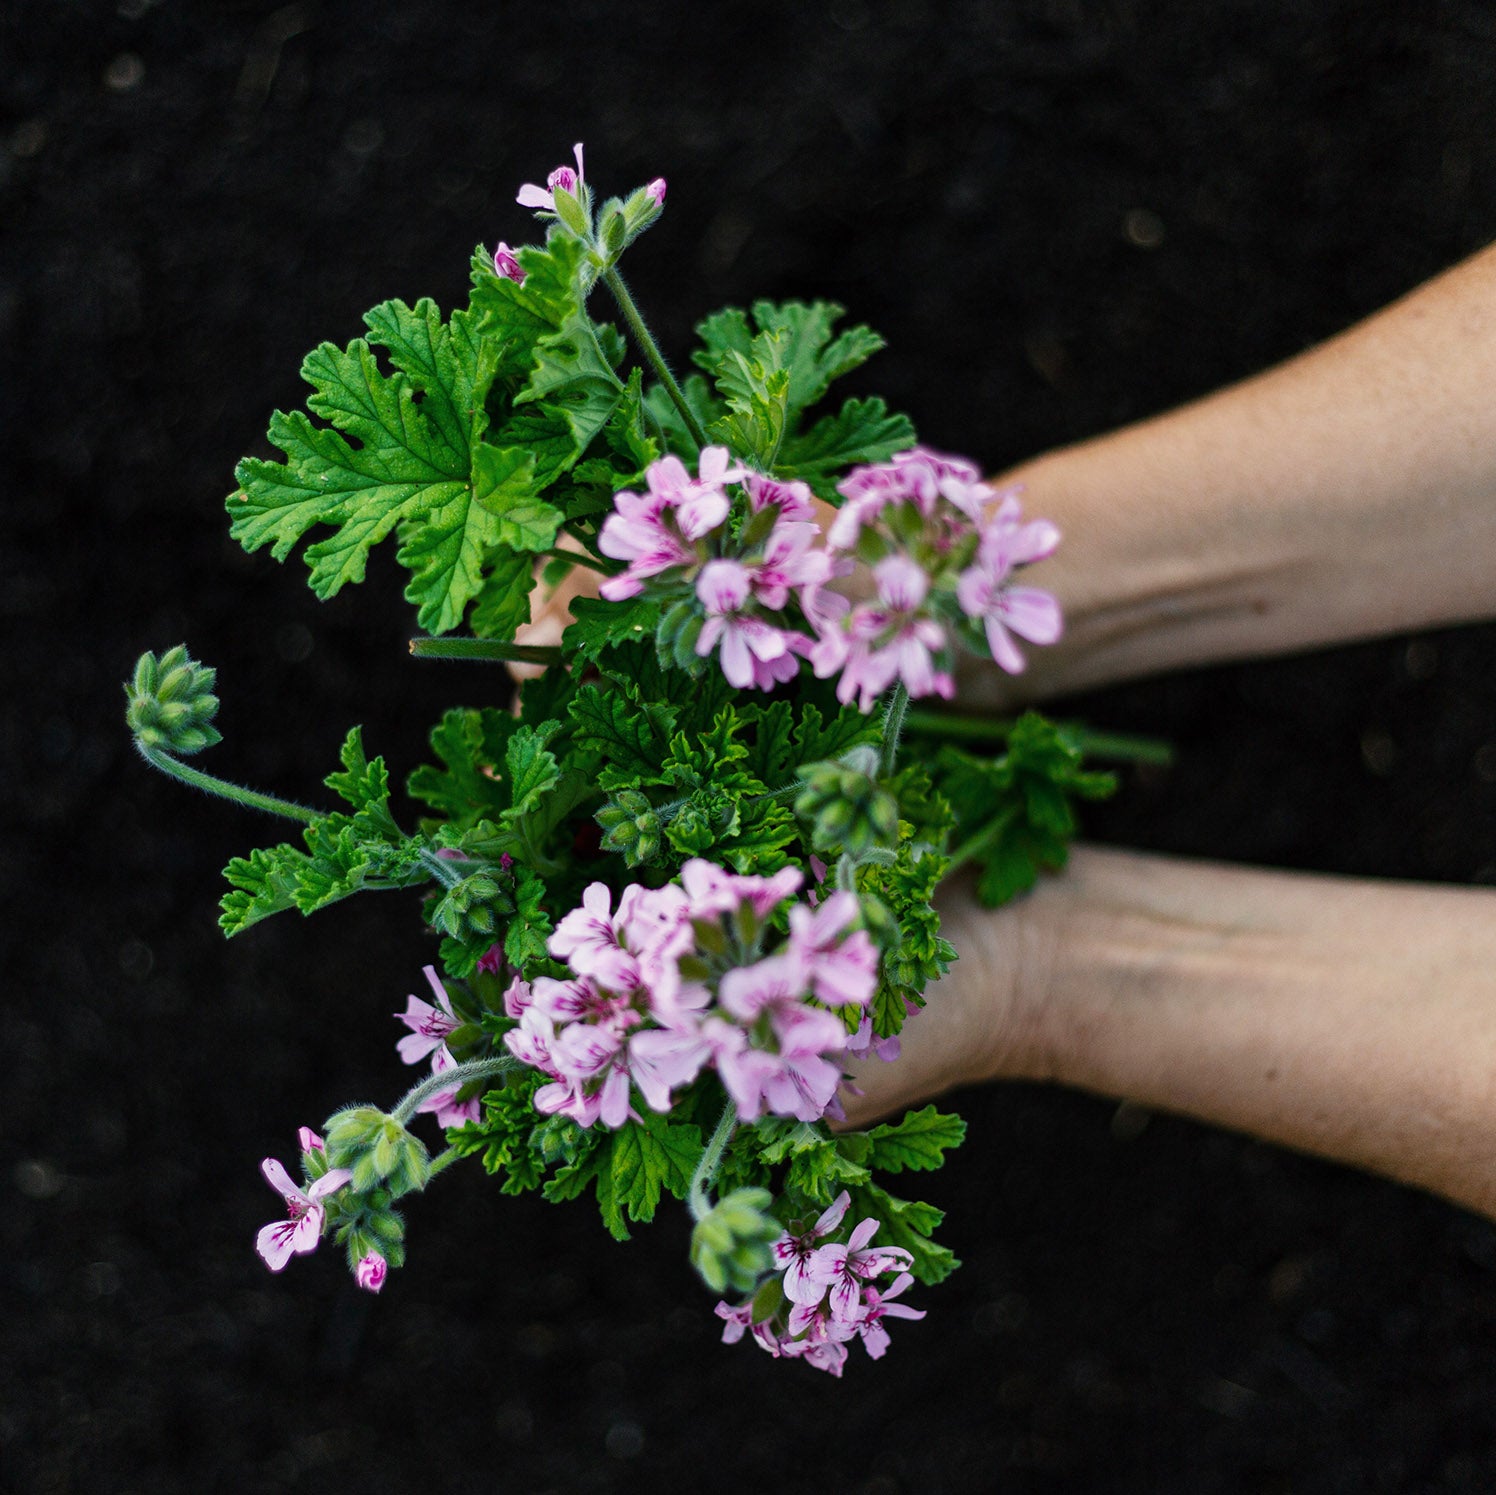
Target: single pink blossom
(656, 190)
(793, 1254)
(789, 561)
(506, 265)
(371, 1271)
(300, 1232)
(1005, 610)
(876, 1307)
(563, 177)
(429, 1025)
(310, 1141)
(841, 968)
(793, 500)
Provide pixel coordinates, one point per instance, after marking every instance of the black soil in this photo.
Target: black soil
(1063, 216)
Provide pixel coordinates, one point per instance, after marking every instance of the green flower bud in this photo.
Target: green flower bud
(378, 1150)
(630, 827)
(730, 1246)
(675, 637)
(470, 910)
(171, 704)
(847, 810)
(571, 212)
(555, 1139)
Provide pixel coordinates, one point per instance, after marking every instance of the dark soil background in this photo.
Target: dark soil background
(1063, 216)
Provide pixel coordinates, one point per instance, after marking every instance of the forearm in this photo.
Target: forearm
(1347, 493)
(1352, 1019)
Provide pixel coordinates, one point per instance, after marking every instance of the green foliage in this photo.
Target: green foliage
(344, 853)
(1015, 814)
(919, 1140)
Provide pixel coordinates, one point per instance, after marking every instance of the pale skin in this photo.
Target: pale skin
(1348, 493)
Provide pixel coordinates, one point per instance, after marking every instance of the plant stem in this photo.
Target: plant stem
(974, 843)
(483, 648)
(581, 558)
(450, 1079)
(651, 351)
(222, 788)
(893, 725)
(711, 1161)
(443, 1159)
(1119, 747)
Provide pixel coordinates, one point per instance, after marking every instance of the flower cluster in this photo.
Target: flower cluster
(825, 1296)
(677, 979)
(942, 546)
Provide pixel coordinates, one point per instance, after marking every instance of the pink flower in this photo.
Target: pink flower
(840, 971)
(794, 1254)
(886, 641)
(876, 1307)
(310, 1141)
(789, 561)
(563, 177)
(656, 191)
(300, 1232)
(506, 265)
(429, 1026)
(845, 1268)
(746, 640)
(371, 1271)
(794, 500)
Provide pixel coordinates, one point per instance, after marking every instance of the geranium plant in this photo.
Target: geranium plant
(688, 872)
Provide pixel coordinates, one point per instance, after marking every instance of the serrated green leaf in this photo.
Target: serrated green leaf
(652, 1155)
(504, 485)
(597, 624)
(503, 603)
(631, 736)
(862, 431)
(533, 770)
(909, 1224)
(918, 1141)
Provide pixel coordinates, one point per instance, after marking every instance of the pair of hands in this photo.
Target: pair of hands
(1346, 494)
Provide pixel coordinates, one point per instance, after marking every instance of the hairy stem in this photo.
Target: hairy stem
(222, 788)
(893, 725)
(651, 351)
(450, 1079)
(711, 1161)
(483, 648)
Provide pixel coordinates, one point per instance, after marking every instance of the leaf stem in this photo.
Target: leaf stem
(483, 648)
(450, 1079)
(1118, 747)
(893, 725)
(581, 558)
(443, 1159)
(651, 351)
(977, 842)
(223, 789)
(711, 1161)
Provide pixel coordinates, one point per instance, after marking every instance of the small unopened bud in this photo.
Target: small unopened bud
(846, 808)
(506, 265)
(171, 703)
(730, 1246)
(370, 1272)
(378, 1150)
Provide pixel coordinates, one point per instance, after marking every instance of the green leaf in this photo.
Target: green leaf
(397, 452)
(533, 770)
(652, 1155)
(862, 431)
(503, 604)
(906, 1223)
(918, 1141)
(597, 624)
(469, 743)
(630, 735)
(504, 485)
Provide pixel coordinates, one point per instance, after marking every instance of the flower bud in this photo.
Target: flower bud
(377, 1149)
(171, 703)
(630, 827)
(569, 208)
(470, 911)
(730, 1246)
(676, 635)
(370, 1272)
(847, 809)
